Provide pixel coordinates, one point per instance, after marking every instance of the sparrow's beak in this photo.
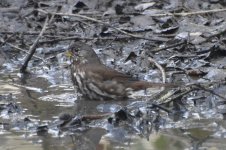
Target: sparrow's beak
(69, 54)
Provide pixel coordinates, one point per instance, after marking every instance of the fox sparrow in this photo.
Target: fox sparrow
(97, 81)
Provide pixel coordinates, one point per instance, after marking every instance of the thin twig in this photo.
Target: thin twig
(162, 108)
(82, 38)
(33, 47)
(10, 10)
(210, 91)
(23, 50)
(37, 33)
(217, 33)
(160, 68)
(188, 13)
(95, 117)
(176, 95)
(98, 21)
(170, 46)
(1, 50)
(20, 49)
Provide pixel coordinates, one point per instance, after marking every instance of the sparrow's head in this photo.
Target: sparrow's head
(82, 53)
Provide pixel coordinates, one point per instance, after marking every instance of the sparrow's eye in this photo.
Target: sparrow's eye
(75, 52)
(78, 52)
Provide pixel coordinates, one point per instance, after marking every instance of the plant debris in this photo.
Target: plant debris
(158, 41)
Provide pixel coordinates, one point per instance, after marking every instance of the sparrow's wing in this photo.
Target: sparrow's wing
(112, 75)
(105, 73)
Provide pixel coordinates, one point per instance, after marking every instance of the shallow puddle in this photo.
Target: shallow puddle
(34, 102)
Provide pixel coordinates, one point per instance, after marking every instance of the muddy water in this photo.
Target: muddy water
(41, 98)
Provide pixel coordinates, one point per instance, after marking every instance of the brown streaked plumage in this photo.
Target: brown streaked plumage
(97, 81)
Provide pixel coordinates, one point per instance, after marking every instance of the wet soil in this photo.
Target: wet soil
(40, 109)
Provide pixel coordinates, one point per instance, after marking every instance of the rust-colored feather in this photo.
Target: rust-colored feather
(97, 81)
